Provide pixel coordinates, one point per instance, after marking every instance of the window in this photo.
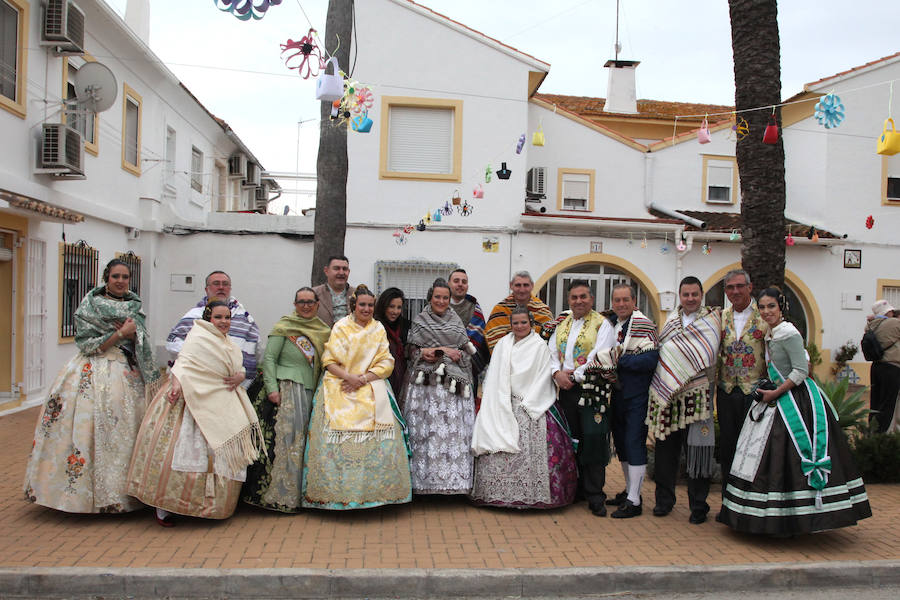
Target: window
(890, 180)
(84, 122)
(131, 131)
(134, 263)
(575, 189)
(13, 48)
(421, 138)
(888, 289)
(78, 264)
(413, 277)
(171, 139)
(720, 179)
(196, 169)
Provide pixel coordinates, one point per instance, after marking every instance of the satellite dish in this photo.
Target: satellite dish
(95, 87)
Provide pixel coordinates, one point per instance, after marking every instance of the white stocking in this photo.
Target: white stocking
(162, 514)
(635, 479)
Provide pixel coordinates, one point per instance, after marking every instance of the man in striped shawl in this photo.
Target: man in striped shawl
(244, 331)
(520, 287)
(681, 400)
(469, 312)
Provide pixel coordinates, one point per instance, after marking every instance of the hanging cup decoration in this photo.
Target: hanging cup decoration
(503, 173)
(703, 135)
(246, 9)
(889, 142)
(537, 139)
(771, 134)
(735, 236)
(829, 111)
(362, 123)
(520, 144)
(478, 192)
(330, 86)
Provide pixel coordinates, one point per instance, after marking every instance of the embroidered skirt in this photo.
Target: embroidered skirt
(275, 480)
(541, 475)
(440, 434)
(767, 491)
(84, 437)
(152, 480)
(353, 474)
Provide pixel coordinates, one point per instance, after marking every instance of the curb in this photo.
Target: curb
(74, 582)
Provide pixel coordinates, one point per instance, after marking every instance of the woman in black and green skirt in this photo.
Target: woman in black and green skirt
(291, 370)
(792, 472)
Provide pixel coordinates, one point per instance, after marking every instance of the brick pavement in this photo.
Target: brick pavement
(434, 533)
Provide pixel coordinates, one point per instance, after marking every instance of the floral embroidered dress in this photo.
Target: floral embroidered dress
(356, 453)
(86, 432)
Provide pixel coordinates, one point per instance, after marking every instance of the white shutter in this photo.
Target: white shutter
(420, 140)
(576, 191)
(35, 315)
(720, 176)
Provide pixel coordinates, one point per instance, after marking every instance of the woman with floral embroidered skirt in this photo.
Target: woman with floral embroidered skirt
(439, 406)
(356, 452)
(290, 372)
(86, 432)
(200, 432)
(524, 454)
(792, 472)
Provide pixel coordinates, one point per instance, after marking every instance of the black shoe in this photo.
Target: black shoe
(720, 517)
(697, 517)
(618, 499)
(598, 509)
(661, 511)
(627, 510)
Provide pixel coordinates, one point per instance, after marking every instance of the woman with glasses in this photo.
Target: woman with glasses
(291, 368)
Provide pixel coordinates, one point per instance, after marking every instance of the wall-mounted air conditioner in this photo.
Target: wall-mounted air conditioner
(534, 184)
(253, 175)
(262, 197)
(237, 166)
(63, 27)
(62, 151)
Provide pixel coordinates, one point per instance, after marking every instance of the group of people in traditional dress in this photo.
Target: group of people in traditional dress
(356, 406)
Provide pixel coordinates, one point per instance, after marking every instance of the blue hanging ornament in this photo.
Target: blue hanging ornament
(829, 111)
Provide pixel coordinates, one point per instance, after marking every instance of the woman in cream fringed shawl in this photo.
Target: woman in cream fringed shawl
(356, 454)
(524, 455)
(200, 433)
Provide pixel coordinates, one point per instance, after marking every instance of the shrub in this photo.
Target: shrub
(851, 409)
(878, 457)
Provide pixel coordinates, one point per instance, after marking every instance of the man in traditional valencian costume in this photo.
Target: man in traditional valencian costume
(469, 312)
(520, 287)
(742, 362)
(574, 344)
(681, 400)
(630, 364)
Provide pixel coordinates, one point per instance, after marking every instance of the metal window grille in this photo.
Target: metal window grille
(413, 277)
(134, 263)
(35, 315)
(79, 275)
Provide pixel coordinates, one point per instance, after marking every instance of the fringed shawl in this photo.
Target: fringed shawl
(225, 417)
(293, 326)
(363, 414)
(641, 337)
(517, 368)
(430, 330)
(498, 323)
(95, 321)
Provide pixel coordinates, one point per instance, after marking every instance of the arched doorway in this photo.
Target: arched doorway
(602, 271)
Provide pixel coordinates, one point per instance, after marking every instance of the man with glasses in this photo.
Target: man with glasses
(244, 331)
(742, 362)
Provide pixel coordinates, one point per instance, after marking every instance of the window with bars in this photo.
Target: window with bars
(891, 293)
(78, 265)
(196, 169)
(134, 264)
(413, 277)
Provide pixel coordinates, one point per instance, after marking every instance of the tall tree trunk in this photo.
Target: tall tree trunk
(757, 81)
(331, 165)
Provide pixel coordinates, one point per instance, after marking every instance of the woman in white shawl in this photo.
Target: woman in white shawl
(525, 457)
(200, 432)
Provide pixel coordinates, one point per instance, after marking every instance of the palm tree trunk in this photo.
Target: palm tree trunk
(757, 81)
(331, 165)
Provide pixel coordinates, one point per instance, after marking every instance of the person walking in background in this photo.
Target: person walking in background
(356, 456)
(244, 331)
(291, 369)
(885, 371)
(89, 421)
(200, 433)
(334, 294)
(389, 312)
(520, 288)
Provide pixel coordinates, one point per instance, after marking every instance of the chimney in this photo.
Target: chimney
(620, 90)
(137, 17)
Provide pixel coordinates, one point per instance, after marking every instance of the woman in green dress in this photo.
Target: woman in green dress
(291, 368)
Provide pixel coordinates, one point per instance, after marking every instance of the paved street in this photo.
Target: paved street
(438, 533)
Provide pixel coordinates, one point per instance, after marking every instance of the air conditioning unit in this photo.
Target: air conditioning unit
(253, 175)
(237, 166)
(133, 233)
(534, 185)
(63, 27)
(62, 151)
(262, 197)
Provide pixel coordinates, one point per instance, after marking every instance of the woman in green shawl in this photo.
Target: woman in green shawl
(291, 369)
(86, 432)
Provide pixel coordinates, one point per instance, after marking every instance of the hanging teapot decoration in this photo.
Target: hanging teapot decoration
(503, 173)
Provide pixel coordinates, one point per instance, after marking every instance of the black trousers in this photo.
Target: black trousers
(885, 378)
(665, 473)
(731, 409)
(591, 478)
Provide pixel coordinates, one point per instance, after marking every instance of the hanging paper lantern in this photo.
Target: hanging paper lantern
(870, 222)
(503, 173)
(829, 111)
(246, 9)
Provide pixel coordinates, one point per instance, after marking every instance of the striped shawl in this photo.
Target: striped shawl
(498, 323)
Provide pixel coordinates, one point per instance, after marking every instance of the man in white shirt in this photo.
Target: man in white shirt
(574, 343)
